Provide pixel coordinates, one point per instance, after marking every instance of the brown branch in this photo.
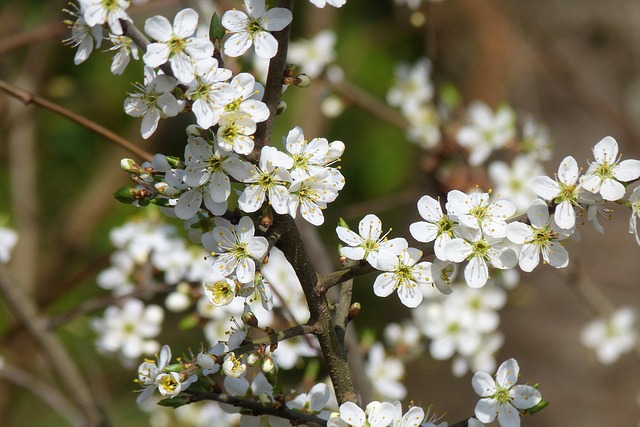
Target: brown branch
(285, 334)
(330, 280)
(258, 408)
(29, 98)
(332, 349)
(25, 310)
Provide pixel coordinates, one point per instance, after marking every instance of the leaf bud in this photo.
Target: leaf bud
(354, 310)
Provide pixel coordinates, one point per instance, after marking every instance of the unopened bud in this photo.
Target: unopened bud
(250, 319)
(125, 195)
(302, 80)
(268, 365)
(129, 165)
(282, 107)
(266, 220)
(354, 310)
(253, 359)
(206, 361)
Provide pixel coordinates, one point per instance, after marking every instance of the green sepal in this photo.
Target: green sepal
(176, 367)
(124, 195)
(161, 201)
(174, 402)
(216, 30)
(343, 223)
(540, 406)
(175, 162)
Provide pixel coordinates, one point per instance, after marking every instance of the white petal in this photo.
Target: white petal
(519, 233)
(568, 171)
(525, 396)
(266, 45)
(508, 416)
(185, 23)
(277, 18)
(508, 372)
(606, 151)
(627, 170)
(483, 384)
(384, 285)
(557, 255)
(158, 28)
(486, 410)
(565, 216)
(529, 257)
(476, 273)
(545, 187)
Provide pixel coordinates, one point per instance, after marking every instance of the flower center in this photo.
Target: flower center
(502, 395)
(168, 383)
(176, 45)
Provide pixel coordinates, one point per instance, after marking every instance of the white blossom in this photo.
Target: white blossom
(369, 244)
(253, 28)
(606, 174)
(313, 55)
(487, 131)
(563, 191)
(153, 101)
(612, 337)
(176, 44)
(98, 12)
(235, 248)
(502, 397)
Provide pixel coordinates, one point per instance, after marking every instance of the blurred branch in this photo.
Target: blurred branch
(44, 391)
(52, 349)
(369, 103)
(100, 303)
(29, 98)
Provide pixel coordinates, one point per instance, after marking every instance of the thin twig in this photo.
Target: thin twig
(44, 391)
(25, 310)
(29, 98)
(100, 303)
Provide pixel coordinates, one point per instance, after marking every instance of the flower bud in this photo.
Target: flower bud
(250, 319)
(206, 360)
(125, 195)
(269, 365)
(129, 165)
(302, 80)
(253, 359)
(282, 107)
(354, 310)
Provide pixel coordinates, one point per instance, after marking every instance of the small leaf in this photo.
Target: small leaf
(174, 402)
(216, 30)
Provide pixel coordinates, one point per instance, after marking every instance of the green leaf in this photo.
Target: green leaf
(174, 402)
(216, 30)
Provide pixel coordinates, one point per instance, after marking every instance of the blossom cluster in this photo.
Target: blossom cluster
(481, 229)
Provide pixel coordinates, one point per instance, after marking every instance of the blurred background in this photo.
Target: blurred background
(574, 66)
